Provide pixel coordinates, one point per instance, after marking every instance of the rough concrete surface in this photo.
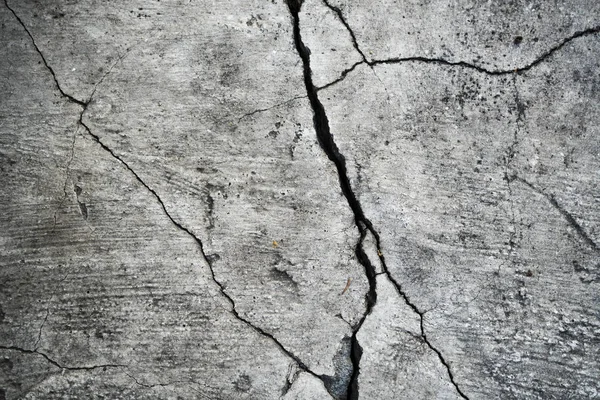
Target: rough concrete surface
(276, 199)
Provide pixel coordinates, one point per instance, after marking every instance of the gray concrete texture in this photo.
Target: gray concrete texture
(275, 199)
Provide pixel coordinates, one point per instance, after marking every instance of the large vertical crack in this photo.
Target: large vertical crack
(363, 224)
(84, 106)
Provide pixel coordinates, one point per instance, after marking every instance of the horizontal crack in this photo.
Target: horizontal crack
(467, 65)
(56, 363)
(269, 108)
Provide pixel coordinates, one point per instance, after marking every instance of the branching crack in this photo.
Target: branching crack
(567, 215)
(363, 224)
(342, 76)
(56, 363)
(97, 139)
(464, 64)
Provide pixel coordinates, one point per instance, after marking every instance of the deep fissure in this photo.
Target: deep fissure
(363, 224)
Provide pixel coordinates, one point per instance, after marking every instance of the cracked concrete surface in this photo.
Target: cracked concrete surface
(300, 200)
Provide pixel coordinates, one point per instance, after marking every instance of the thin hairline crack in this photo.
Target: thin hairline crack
(363, 224)
(84, 105)
(56, 363)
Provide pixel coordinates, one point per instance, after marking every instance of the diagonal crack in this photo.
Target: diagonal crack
(56, 363)
(48, 67)
(340, 16)
(96, 138)
(464, 64)
(363, 224)
(567, 215)
(341, 77)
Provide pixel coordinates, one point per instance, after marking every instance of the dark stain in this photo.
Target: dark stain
(83, 209)
(518, 40)
(283, 276)
(338, 384)
(211, 191)
(211, 258)
(6, 365)
(1, 314)
(273, 134)
(243, 383)
(204, 170)
(585, 274)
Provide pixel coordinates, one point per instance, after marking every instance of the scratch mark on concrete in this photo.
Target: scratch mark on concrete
(567, 215)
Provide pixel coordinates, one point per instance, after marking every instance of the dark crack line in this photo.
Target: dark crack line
(325, 138)
(220, 286)
(363, 224)
(567, 215)
(342, 76)
(48, 67)
(340, 16)
(119, 59)
(467, 65)
(544, 56)
(56, 363)
(421, 315)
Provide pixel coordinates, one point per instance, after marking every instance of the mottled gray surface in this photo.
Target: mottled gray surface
(275, 200)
